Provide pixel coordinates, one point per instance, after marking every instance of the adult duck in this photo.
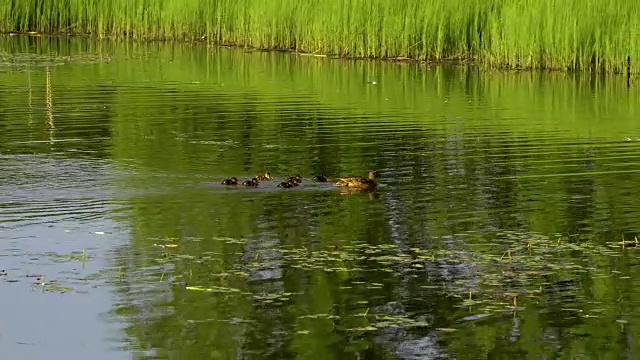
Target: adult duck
(357, 182)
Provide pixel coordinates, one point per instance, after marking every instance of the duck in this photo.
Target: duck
(287, 184)
(320, 178)
(231, 181)
(357, 182)
(252, 182)
(264, 177)
(295, 179)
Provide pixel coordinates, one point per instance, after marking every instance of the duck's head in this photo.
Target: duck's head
(373, 174)
(267, 175)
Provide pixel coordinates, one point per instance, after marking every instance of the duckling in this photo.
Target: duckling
(320, 178)
(287, 184)
(231, 181)
(295, 179)
(358, 182)
(266, 176)
(252, 182)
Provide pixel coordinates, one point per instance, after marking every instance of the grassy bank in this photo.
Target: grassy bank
(559, 34)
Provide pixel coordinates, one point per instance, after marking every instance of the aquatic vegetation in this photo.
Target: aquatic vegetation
(78, 256)
(49, 60)
(53, 286)
(507, 281)
(55, 280)
(513, 273)
(553, 34)
(214, 289)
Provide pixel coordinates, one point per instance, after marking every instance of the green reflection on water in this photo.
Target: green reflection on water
(493, 233)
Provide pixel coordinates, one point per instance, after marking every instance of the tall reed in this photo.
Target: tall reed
(558, 34)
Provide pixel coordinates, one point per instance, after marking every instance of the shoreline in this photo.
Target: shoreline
(398, 60)
(569, 36)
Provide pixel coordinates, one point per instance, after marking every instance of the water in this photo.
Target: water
(496, 232)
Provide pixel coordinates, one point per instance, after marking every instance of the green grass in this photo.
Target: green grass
(602, 35)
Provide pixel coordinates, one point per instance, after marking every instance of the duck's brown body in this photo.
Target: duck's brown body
(357, 182)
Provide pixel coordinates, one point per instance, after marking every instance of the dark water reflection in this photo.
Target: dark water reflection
(494, 233)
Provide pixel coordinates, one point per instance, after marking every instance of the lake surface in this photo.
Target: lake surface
(503, 227)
